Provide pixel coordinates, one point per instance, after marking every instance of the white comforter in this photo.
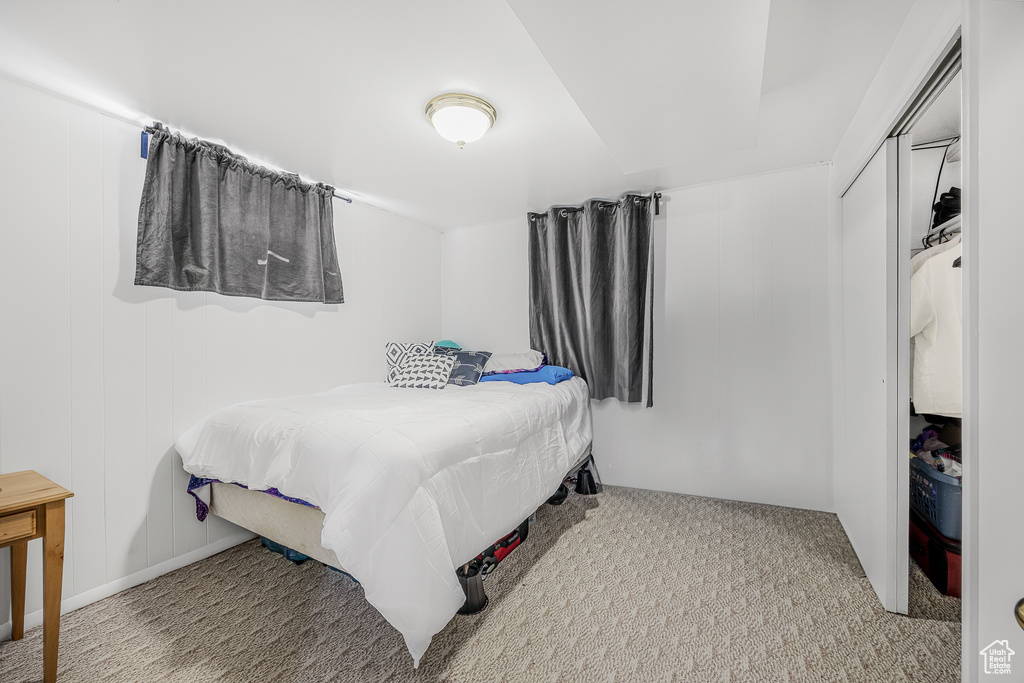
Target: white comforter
(412, 482)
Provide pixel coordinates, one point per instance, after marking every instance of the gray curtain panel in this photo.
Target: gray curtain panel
(212, 221)
(591, 293)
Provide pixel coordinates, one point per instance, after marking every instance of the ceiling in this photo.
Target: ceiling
(594, 98)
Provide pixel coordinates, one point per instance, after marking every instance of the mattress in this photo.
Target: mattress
(412, 482)
(295, 526)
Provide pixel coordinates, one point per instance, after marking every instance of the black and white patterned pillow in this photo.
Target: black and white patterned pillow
(422, 371)
(469, 365)
(394, 351)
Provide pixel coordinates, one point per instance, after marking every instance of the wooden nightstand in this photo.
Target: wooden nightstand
(32, 506)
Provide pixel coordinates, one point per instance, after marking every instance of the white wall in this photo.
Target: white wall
(994, 327)
(742, 388)
(98, 376)
(486, 301)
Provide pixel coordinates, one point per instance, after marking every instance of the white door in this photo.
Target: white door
(870, 470)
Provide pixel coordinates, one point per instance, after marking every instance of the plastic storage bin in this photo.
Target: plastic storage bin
(937, 497)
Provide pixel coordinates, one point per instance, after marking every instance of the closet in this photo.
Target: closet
(935, 357)
(900, 214)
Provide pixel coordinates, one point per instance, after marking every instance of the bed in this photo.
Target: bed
(409, 484)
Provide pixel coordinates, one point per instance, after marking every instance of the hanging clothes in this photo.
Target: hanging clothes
(936, 315)
(916, 262)
(920, 257)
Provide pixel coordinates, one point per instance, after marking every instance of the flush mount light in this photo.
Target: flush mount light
(460, 118)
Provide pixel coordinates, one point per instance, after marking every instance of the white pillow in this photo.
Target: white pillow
(514, 362)
(423, 371)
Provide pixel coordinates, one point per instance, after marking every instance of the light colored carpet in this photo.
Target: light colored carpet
(628, 585)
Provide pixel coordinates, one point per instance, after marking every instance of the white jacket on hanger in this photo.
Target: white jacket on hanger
(936, 326)
(920, 257)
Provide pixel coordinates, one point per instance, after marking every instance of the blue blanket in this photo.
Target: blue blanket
(552, 374)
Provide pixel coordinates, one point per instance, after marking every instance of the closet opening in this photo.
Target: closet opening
(930, 332)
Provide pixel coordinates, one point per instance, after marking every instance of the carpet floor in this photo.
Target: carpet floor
(629, 585)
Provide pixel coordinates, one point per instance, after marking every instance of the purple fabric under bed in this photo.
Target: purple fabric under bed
(203, 510)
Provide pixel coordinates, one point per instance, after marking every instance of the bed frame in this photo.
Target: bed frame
(298, 527)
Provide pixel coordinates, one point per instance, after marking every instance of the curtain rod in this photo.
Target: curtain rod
(149, 130)
(656, 196)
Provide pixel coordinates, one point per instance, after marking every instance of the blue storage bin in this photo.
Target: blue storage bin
(937, 497)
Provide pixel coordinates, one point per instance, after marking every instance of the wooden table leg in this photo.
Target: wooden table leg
(19, 559)
(53, 574)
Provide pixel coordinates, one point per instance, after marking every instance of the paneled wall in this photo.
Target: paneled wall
(742, 381)
(98, 376)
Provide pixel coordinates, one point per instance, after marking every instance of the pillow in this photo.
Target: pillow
(423, 371)
(525, 361)
(469, 365)
(552, 374)
(393, 352)
(448, 343)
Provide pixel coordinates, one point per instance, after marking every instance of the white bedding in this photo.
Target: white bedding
(412, 482)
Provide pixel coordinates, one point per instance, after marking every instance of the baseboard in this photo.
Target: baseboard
(124, 583)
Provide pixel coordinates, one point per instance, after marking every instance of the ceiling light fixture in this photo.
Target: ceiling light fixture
(460, 118)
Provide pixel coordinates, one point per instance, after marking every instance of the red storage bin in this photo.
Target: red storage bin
(938, 556)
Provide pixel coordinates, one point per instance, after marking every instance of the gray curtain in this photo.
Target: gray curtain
(591, 293)
(212, 221)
